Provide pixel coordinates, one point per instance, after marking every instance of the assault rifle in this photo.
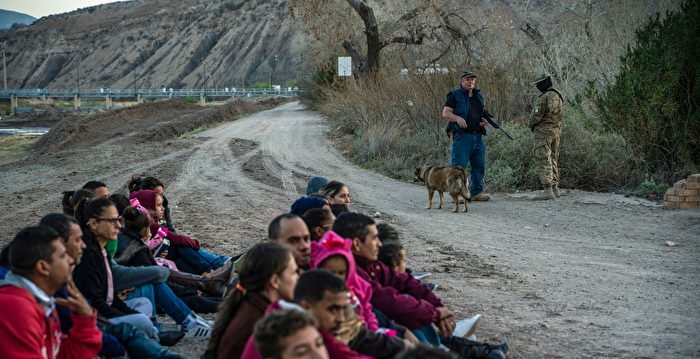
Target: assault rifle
(492, 121)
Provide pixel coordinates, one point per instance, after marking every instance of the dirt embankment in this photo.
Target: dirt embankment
(151, 122)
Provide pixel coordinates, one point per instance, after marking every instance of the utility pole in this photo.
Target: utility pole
(4, 65)
(274, 66)
(78, 70)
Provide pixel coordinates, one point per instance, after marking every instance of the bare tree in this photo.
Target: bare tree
(425, 21)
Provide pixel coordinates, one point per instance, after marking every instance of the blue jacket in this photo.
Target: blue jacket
(462, 109)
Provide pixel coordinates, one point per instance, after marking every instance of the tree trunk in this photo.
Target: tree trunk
(374, 46)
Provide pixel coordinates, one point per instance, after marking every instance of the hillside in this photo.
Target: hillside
(153, 43)
(231, 43)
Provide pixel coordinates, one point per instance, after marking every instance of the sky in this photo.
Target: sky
(40, 8)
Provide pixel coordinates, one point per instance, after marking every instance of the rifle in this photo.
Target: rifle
(492, 121)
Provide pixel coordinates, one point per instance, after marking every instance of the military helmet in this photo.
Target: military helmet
(468, 74)
(543, 82)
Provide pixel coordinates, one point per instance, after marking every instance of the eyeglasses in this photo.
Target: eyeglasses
(112, 221)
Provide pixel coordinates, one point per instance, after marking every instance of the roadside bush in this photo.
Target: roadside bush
(654, 99)
(588, 159)
(650, 187)
(394, 125)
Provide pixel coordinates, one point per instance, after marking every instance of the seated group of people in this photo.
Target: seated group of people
(327, 283)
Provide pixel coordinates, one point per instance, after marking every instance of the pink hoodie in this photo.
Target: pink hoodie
(332, 244)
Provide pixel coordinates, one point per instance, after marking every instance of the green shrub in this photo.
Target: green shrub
(394, 124)
(653, 102)
(588, 159)
(648, 187)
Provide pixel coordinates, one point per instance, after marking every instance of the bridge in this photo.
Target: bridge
(108, 94)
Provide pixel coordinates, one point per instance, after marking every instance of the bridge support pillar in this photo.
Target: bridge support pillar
(44, 100)
(139, 99)
(76, 102)
(202, 100)
(13, 104)
(108, 102)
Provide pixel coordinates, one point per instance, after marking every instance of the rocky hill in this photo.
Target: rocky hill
(154, 43)
(233, 43)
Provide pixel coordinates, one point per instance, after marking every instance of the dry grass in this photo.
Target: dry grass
(394, 124)
(15, 147)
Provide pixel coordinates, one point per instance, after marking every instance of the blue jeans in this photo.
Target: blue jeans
(161, 295)
(195, 261)
(425, 334)
(214, 260)
(137, 344)
(471, 149)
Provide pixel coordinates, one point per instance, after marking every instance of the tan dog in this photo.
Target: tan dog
(445, 179)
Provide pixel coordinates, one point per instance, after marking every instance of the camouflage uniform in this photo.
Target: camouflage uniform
(545, 122)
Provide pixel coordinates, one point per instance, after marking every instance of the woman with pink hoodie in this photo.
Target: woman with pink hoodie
(333, 253)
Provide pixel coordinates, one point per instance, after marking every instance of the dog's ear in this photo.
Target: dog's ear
(416, 175)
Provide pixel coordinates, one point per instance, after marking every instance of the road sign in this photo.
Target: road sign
(344, 66)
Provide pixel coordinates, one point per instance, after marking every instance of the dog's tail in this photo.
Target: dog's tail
(464, 185)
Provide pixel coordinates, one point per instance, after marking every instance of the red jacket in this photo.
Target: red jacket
(414, 310)
(26, 332)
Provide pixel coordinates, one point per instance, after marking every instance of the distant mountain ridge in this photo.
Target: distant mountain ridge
(234, 43)
(155, 43)
(9, 18)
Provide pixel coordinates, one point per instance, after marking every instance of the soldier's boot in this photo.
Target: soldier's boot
(546, 195)
(556, 191)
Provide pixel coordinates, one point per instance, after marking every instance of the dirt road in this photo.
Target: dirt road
(586, 275)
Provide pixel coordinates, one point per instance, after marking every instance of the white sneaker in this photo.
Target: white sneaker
(420, 275)
(466, 327)
(196, 327)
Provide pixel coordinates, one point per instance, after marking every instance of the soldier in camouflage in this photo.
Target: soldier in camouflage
(545, 122)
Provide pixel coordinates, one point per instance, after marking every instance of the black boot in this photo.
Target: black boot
(469, 349)
(210, 285)
(170, 338)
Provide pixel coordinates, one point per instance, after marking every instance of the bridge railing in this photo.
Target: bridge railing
(149, 93)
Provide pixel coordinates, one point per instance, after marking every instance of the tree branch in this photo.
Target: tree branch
(532, 33)
(409, 40)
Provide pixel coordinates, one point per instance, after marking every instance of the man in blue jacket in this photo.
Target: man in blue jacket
(464, 111)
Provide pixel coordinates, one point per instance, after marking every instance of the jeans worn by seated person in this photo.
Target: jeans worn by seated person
(162, 296)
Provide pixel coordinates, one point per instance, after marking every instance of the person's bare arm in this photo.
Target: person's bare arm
(448, 113)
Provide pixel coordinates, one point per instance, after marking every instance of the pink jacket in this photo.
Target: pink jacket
(147, 198)
(332, 244)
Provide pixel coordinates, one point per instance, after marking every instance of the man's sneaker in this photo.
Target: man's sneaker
(420, 275)
(481, 197)
(467, 327)
(196, 327)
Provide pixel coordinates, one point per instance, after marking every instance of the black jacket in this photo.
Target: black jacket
(132, 252)
(91, 278)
